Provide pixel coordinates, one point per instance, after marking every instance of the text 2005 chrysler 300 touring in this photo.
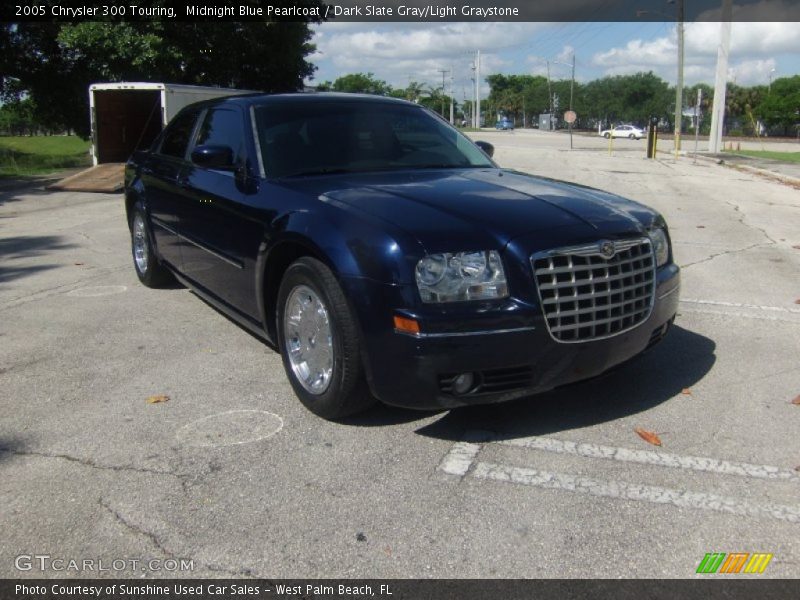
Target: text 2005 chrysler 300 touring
(386, 256)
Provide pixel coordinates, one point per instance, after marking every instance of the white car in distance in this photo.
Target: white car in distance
(623, 131)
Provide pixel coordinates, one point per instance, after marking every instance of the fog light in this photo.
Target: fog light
(463, 383)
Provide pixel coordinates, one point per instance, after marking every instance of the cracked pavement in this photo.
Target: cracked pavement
(233, 474)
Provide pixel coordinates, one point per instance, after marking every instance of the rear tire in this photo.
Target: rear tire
(319, 342)
(148, 268)
(606, 135)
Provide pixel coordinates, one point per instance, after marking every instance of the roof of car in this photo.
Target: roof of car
(305, 97)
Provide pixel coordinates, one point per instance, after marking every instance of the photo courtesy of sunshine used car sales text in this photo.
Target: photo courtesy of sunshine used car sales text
(217, 589)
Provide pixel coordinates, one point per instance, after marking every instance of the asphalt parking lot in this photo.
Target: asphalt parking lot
(233, 475)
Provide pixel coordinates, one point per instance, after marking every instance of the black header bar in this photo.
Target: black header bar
(422, 11)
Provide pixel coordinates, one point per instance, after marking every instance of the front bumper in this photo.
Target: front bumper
(507, 346)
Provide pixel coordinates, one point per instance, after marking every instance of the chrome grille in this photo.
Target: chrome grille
(586, 295)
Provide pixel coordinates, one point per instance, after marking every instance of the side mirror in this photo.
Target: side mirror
(213, 157)
(486, 147)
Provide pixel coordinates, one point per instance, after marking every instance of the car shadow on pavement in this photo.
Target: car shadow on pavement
(677, 363)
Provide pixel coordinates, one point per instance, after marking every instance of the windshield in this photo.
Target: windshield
(310, 138)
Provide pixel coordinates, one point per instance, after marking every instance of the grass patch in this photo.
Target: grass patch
(22, 156)
(790, 157)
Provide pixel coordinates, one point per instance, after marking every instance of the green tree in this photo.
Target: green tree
(438, 102)
(780, 106)
(54, 63)
(359, 83)
(628, 98)
(18, 117)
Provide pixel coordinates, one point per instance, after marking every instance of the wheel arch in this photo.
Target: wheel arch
(349, 246)
(274, 259)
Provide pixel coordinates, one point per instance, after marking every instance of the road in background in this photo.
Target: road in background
(233, 474)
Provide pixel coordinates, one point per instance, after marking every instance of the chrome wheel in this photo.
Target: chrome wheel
(308, 339)
(140, 251)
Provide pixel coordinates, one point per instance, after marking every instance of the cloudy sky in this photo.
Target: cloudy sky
(400, 52)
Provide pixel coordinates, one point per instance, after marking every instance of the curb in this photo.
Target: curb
(787, 179)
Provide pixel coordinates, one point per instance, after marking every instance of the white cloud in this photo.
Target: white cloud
(746, 38)
(398, 52)
(753, 72)
(754, 45)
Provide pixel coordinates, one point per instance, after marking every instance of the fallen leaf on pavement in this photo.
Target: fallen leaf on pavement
(157, 399)
(797, 301)
(797, 468)
(796, 246)
(701, 226)
(648, 436)
(686, 391)
(796, 401)
(78, 264)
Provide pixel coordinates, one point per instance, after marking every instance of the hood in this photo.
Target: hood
(479, 208)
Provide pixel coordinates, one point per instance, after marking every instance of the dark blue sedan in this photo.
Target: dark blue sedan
(385, 255)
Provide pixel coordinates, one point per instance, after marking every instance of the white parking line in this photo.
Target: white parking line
(627, 491)
(461, 461)
(649, 457)
(739, 315)
(740, 305)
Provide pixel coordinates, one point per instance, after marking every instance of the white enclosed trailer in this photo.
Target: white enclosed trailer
(127, 116)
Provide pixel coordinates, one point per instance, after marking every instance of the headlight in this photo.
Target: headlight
(461, 276)
(660, 246)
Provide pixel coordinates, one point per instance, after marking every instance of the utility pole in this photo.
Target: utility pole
(721, 80)
(697, 121)
(549, 93)
(478, 88)
(452, 108)
(679, 87)
(474, 95)
(571, 88)
(443, 72)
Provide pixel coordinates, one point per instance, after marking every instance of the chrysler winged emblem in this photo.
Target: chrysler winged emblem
(607, 249)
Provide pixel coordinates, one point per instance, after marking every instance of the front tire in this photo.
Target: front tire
(148, 268)
(319, 342)
(632, 137)
(606, 135)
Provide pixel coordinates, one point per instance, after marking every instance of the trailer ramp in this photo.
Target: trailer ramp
(104, 178)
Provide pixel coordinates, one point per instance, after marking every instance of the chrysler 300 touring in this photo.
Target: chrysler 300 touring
(385, 255)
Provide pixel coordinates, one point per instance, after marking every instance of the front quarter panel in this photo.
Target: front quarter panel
(354, 243)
